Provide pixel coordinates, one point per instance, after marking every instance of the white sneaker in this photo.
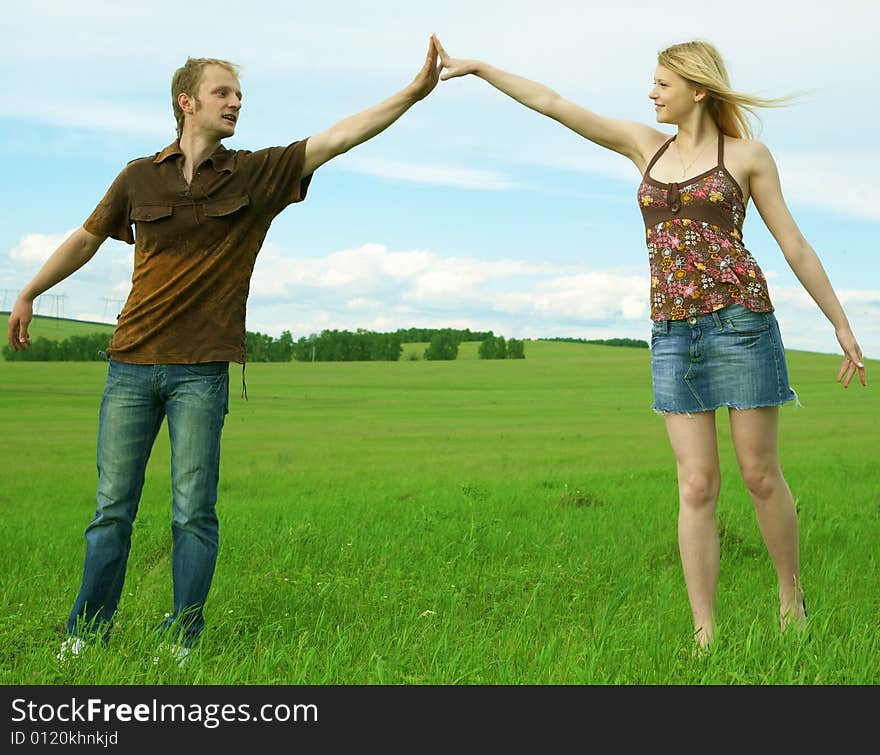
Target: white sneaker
(71, 648)
(177, 653)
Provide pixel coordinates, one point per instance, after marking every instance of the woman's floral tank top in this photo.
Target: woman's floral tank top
(695, 247)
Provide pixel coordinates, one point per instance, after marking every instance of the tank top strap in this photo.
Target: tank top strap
(657, 155)
(720, 149)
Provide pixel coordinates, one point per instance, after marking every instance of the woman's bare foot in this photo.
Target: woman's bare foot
(794, 612)
(703, 639)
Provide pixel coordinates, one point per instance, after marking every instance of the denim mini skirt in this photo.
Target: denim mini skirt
(732, 357)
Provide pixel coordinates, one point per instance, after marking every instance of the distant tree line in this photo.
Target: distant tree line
(347, 346)
(630, 342)
(367, 345)
(327, 346)
(426, 335)
(90, 347)
(82, 348)
(496, 347)
(262, 348)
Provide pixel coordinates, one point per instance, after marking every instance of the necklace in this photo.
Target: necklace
(686, 168)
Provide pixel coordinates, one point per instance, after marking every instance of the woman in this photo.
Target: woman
(715, 340)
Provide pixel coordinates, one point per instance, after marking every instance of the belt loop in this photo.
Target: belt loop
(665, 327)
(717, 318)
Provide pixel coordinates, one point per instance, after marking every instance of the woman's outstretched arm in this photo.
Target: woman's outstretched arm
(634, 140)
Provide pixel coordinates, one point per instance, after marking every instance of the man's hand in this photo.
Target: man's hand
(358, 128)
(423, 84)
(19, 319)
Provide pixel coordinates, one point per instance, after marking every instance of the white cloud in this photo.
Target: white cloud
(592, 295)
(367, 268)
(407, 285)
(121, 289)
(416, 276)
(37, 247)
(374, 288)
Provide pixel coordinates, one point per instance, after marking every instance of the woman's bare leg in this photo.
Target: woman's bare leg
(694, 442)
(755, 436)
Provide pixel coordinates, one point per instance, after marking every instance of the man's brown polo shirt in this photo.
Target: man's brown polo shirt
(194, 247)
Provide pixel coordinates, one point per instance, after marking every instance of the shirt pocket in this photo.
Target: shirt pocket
(220, 208)
(147, 213)
(153, 226)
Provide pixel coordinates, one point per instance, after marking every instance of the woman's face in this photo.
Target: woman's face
(674, 97)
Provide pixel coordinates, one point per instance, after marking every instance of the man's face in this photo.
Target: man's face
(218, 102)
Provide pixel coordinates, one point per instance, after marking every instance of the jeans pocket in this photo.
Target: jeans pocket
(743, 320)
(659, 328)
(207, 369)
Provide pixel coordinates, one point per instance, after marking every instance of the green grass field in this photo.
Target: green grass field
(466, 522)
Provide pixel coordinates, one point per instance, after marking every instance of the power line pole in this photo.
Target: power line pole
(58, 305)
(107, 301)
(6, 293)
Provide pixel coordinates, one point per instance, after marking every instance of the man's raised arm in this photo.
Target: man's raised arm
(358, 128)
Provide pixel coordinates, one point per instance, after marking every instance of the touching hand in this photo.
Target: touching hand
(454, 66)
(852, 359)
(427, 78)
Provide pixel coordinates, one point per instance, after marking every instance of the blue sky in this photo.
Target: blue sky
(470, 211)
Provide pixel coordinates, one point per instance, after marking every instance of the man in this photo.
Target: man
(200, 214)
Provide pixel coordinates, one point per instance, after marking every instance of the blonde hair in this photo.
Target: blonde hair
(187, 79)
(700, 63)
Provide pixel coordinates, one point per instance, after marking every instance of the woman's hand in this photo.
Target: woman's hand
(852, 358)
(454, 66)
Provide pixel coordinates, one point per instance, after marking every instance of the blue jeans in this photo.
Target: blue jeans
(195, 399)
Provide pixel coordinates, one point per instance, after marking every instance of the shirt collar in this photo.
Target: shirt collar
(221, 158)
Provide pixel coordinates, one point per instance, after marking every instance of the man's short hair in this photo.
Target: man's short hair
(187, 79)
